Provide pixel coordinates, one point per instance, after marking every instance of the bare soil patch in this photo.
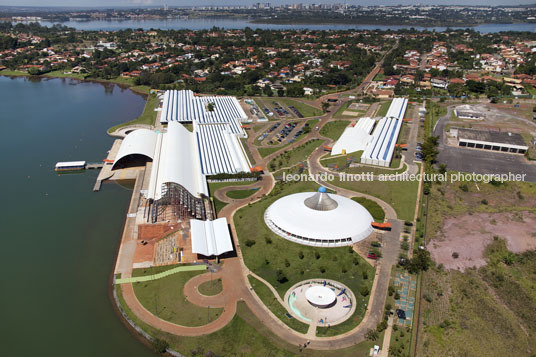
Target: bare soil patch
(468, 235)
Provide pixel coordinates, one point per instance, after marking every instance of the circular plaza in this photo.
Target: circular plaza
(319, 219)
(320, 301)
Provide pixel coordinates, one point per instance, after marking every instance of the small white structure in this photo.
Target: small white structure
(320, 296)
(319, 219)
(354, 138)
(210, 238)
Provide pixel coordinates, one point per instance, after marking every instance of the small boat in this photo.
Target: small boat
(70, 166)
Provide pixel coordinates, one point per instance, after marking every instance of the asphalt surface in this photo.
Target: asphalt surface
(481, 161)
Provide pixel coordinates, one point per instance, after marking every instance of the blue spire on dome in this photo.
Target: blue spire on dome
(322, 189)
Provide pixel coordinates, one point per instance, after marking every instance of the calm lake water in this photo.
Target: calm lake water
(58, 238)
(207, 23)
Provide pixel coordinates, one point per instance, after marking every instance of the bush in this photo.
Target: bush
(397, 296)
(464, 187)
(365, 275)
(160, 346)
(249, 243)
(364, 290)
(300, 255)
(317, 255)
(391, 290)
(281, 277)
(484, 201)
(287, 263)
(268, 240)
(322, 269)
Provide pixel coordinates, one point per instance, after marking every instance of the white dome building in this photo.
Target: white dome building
(319, 219)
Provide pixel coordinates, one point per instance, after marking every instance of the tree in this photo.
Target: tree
(421, 261)
(210, 107)
(325, 106)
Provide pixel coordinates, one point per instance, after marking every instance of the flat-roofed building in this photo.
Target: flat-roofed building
(490, 140)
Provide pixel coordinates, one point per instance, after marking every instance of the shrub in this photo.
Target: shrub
(317, 255)
(322, 269)
(455, 255)
(464, 187)
(268, 240)
(281, 277)
(484, 201)
(287, 263)
(300, 255)
(365, 275)
(364, 290)
(391, 290)
(250, 243)
(160, 346)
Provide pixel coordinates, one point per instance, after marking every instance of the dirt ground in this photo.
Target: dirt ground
(468, 235)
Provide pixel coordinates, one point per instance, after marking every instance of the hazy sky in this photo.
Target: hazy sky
(92, 3)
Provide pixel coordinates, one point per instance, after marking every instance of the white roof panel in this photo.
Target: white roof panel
(210, 237)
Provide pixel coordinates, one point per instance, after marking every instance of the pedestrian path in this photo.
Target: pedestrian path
(162, 274)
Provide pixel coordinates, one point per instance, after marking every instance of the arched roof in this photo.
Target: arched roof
(140, 141)
(179, 162)
(348, 220)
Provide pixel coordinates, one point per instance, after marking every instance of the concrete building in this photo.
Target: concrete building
(490, 140)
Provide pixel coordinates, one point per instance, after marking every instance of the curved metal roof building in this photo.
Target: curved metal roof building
(138, 142)
(319, 219)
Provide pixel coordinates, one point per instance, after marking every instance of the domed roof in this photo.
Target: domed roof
(321, 201)
(293, 217)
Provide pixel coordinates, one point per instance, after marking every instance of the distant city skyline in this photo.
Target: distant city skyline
(172, 3)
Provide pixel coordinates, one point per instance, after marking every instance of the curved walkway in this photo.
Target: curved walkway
(162, 274)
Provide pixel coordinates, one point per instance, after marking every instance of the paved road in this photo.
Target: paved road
(480, 161)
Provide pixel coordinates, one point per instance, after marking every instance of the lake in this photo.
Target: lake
(207, 23)
(59, 238)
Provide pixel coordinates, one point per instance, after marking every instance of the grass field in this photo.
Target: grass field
(248, 152)
(334, 129)
(148, 116)
(210, 288)
(495, 303)
(384, 107)
(375, 209)
(268, 298)
(214, 186)
(305, 109)
(240, 194)
(244, 336)
(294, 156)
(61, 74)
(165, 298)
(283, 263)
(401, 195)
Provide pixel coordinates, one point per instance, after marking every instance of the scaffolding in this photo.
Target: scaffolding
(179, 204)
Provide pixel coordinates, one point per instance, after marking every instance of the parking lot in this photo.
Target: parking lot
(481, 161)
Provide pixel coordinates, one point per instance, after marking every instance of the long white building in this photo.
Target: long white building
(354, 138)
(183, 106)
(380, 149)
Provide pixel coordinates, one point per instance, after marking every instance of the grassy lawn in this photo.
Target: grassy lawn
(384, 107)
(61, 74)
(9, 72)
(375, 209)
(271, 254)
(148, 116)
(214, 186)
(241, 194)
(294, 156)
(343, 327)
(340, 161)
(210, 288)
(401, 195)
(268, 298)
(334, 129)
(165, 298)
(244, 336)
(379, 77)
(305, 109)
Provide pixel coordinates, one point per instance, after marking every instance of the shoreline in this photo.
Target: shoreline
(16, 74)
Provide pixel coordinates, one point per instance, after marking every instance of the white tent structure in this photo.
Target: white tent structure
(319, 219)
(210, 237)
(354, 138)
(138, 142)
(177, 161)
(380, 149)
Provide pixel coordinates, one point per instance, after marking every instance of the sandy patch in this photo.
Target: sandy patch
(468, 235)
